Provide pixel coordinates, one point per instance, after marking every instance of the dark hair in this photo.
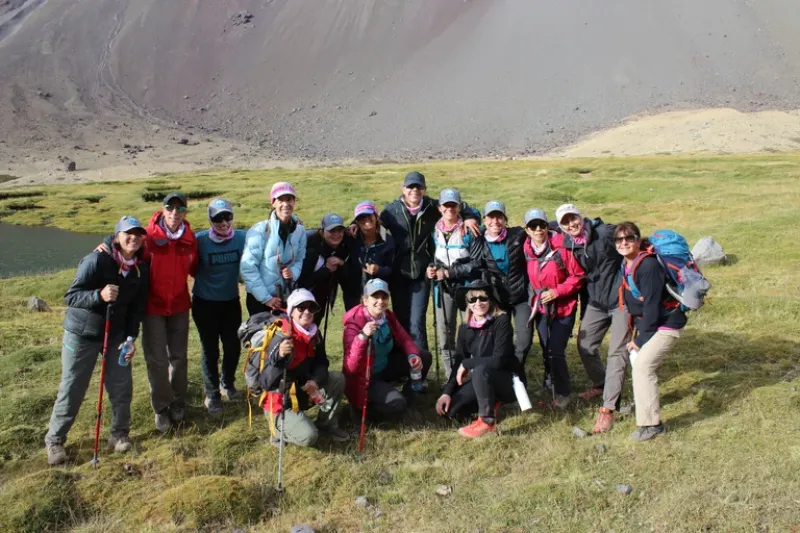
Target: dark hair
(629, 228)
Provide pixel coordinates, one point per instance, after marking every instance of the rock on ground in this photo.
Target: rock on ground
(39, 305)
(708, 252)
(301, 528)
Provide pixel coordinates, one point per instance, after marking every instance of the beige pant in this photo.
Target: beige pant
(645, 380)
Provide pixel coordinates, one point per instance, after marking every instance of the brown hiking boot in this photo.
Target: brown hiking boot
(56, 455)
(605, 419)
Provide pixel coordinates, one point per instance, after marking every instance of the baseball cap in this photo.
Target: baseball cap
(534, 214)
(332, 221)
(375, 285)
(364, 208)
(281, 188)
(494, 205)
(414, 178)
(299, 296)
(175, 195)
(217, 206)
(566, 209)
(448, 196)
(128, 223)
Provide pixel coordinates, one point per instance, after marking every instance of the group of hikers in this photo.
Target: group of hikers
(504, 281)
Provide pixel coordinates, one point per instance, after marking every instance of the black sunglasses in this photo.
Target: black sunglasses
(307, 307)
(478, 299)
(178, 208)
(415, 186)
(537, 224)
(630, 239)
(222, 217)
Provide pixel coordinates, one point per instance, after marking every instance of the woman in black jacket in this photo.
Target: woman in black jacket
(371, 254)
(120, 280)
(485, 363)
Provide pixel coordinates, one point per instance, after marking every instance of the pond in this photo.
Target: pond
(36, 249)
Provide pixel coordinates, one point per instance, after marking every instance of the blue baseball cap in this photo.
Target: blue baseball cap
(217, 206)
(449, 196)
(332, 221)
(414, 178)
(128, 224)
(375, 285)
(494, 206)
(534, 214)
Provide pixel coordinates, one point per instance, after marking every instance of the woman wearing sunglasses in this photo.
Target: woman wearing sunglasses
(555, 281)
(274, 253)
(216, 309)
(658, 321)
(373, 333)
(484, 364)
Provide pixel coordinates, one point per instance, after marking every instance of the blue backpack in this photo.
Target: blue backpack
(685, 283)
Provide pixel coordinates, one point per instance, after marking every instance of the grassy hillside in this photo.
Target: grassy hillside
(729, 462)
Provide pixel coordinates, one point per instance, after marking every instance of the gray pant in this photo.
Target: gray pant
(594, 325)
(522, 331)
(447, 335)
(300, 430)
(78, 358)
(165, 341)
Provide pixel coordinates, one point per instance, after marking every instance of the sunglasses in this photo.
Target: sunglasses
(630, 239)
(303, 308)
(474, 299)
(450, 205)
(222, 217)
(178, 208)
(416, 187)
(537, 224)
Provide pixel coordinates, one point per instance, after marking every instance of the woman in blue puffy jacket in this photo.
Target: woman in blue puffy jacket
(273, 253)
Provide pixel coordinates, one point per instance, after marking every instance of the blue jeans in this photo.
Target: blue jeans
(410, 304)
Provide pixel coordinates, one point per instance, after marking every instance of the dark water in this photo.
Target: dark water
(30, 250)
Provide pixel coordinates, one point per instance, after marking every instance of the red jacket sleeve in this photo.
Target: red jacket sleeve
(355, 349)
(195, 259)
(575, 275)
(401, 337)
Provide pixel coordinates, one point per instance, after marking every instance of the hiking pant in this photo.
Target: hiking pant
(254, 306)
(523, 334)
(165, 340)
(78, 358)
(553, 340)
(218, 321)
(384, 398)
(645, 380)
(446, 305)
(594, 325)
(410, 304)
(299, 429)
(480, 393)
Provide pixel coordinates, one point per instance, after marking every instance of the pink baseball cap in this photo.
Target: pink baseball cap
(365, 208)
(281, 188)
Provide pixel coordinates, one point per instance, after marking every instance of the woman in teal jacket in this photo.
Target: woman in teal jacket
(273, 253)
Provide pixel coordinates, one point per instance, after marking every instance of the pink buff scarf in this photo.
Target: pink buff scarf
(444, 229)
(499, 238)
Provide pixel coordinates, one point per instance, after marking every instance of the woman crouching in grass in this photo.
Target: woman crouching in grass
(484, 353)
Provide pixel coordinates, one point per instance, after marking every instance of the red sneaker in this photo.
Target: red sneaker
(479, 428)
(605, 419)
(592, 393)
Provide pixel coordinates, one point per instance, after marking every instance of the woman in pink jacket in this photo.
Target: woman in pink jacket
(393, 354)
(555, 281)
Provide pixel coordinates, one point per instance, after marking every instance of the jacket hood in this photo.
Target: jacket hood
(156, 233)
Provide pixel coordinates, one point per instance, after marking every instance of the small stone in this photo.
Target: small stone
(373, 113)
(734, 413)
(362, 501)
(183, 140)
(443, 490)
(578, 433)
(708, 252)
(601, 448)
(624, 489)
(301, 528)
(38, 305)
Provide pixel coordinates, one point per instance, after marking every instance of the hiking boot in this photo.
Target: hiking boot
(56, 455)
(605, 419)
(592, 393)
(214, 405)
(479, 428)
(334, 433)
(121, 444)
(163, 422)
(647, 432)
(176, 413)
(561, 402)
(230, 393)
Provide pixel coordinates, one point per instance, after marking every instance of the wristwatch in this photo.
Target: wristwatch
(362, 336)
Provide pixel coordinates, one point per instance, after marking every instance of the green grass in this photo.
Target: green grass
(729, 462)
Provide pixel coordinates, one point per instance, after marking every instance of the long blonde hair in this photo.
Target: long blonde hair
(494, 310)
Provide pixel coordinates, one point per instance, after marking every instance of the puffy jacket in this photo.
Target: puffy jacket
(86, 311)
(381, 253)
(263, 247)
(413, 234)
(555, 269)
(511, 288)
(599, 259)
(648, 312)
(171, 263)
(452, 253)
(492, 345)
(314, 275)
(354, 363)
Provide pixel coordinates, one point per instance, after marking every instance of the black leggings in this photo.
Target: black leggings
(479, 395)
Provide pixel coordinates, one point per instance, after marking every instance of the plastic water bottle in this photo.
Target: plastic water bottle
(317, 396)
(127, 346)
(416, 380)
(522, 395)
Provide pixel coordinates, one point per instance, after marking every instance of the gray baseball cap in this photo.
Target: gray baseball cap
(414, 178)
(375, 285)
(332, 221)
(493, 206)
(175, 195)
(219, 205)
(535, 214)
(127, 224)
(448, 196)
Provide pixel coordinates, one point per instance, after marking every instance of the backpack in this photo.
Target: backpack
(257, 336)
(685, 283)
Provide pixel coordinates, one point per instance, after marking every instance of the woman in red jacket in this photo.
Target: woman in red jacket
(555, 281)
(394, 355)
(171, 249)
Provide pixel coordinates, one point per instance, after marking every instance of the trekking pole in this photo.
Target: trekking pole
(436, 288)
(446, 330)
(279, 488)
(95, 458)
(366, 400)
(549, 321)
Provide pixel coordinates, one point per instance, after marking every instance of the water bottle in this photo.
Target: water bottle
(416, 380)
(632, 355)
(127, 346)
(318, 396)
(522, 395)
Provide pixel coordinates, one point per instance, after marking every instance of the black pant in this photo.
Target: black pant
(254, 306)
(218, 321)
(553, 340)
(410, 304)
(384, 398)
(479, 395)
